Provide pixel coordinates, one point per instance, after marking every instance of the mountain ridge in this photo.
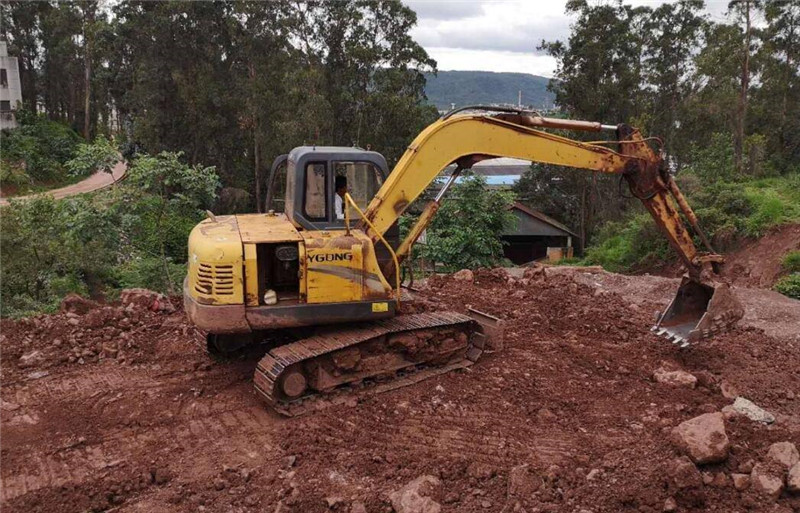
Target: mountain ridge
(486, 87)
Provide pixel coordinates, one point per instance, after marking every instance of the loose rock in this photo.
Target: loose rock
(30, 359)
(73, 303)
(670, 505)
(768, 483)
(793, 479)
(752, 411)
(703, 438)
(684, 474)
(728, 390)
(676, 378)
(740, 481)
(416, 496)
(784, 453)
(522, 482)
(464, 275)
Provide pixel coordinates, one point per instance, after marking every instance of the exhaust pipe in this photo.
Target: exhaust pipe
(699, 310)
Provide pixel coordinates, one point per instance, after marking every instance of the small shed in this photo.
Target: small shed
(536, 236)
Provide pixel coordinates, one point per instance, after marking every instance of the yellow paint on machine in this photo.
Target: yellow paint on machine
(250, 275)
(339, 268)
(215, 262)
(267, 228)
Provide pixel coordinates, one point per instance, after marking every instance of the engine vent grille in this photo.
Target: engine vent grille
(214, 279)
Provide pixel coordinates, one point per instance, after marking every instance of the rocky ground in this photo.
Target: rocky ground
(116, 408)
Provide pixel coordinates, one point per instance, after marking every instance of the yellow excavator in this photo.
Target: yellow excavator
(331, 286)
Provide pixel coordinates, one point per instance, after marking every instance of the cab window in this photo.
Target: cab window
(363, 181)
(315, 204)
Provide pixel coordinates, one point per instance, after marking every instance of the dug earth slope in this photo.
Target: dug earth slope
(118, 408)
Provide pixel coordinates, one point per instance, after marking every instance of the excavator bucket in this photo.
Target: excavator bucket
(699, 310)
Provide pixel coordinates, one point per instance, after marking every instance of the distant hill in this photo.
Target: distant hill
(473, 87)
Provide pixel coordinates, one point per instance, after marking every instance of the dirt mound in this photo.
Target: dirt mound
(568, 417)
(758, 263)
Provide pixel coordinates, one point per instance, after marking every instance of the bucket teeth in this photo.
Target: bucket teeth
(674, 338)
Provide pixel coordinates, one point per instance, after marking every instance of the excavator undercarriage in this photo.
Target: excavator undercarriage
(374, 357)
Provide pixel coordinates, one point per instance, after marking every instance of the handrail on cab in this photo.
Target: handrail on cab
(349, 201)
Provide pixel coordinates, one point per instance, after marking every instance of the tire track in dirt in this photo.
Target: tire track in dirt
(44, 448)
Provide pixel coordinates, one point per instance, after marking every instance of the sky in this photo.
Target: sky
(502, 35)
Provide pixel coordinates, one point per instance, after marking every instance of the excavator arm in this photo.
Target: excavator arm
(702, 306)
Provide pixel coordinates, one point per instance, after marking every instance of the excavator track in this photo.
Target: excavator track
(375, 357)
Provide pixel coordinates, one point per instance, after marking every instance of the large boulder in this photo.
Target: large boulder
(417, 496)
(784, 453)
(703, 438)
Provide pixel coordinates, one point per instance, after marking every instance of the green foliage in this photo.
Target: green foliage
(149, 273)
(727, 213)
(789, 285)
(36, 151)
(100, 155)
(791, 262)
(623, 246)
(49, 248)
(133, 235)
(465, 232)
(713, 161)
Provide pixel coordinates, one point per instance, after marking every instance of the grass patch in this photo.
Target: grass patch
(728, 212)
(789, 286)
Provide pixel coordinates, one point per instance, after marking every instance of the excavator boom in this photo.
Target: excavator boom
(702, 306)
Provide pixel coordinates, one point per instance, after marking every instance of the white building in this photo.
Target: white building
(10, 87)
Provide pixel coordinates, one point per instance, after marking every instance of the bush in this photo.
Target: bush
(98, 156)
(40, 146)
(50, 248)
(150, 273)
(789, 286)
(791, 262)
(627, 245)
(128, 236)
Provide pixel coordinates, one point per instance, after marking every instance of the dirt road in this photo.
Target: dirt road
(99, 180)
(120, 410)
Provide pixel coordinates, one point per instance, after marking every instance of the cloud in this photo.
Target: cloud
(497, 61)
(495, 35)
(445, 9)
(508, 26)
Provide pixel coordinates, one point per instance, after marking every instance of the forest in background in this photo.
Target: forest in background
(230, 84)
(722, 97)
(200, 96)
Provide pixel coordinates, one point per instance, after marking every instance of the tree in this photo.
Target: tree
(744, 11)
(777, 102)
(672, 34)
(599, 76)
(100, 155)
(166, 196)
(465, 233)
